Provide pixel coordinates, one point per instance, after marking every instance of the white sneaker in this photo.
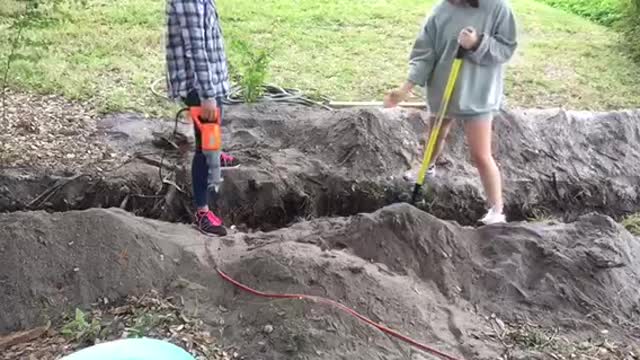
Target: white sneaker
(431, 171)
(412, 175)
(493, 217)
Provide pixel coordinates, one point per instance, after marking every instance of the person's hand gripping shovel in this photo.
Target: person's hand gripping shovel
(435, 130)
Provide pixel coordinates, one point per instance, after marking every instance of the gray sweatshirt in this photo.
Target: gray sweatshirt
(480, 83)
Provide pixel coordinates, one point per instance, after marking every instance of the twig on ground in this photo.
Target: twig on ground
(47, 194)
(551, 339)
(123, 204)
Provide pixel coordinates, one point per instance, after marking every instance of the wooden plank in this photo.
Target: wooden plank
(346, 104)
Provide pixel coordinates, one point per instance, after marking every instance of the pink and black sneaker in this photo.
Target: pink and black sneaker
(228, 161)
(209, 224)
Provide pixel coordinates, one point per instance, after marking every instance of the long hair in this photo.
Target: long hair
(472, 3)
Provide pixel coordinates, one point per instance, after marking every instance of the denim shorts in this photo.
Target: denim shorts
(488, 116)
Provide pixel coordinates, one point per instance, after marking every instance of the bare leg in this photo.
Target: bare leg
(478, 132)
(442, 138)
(438, 146)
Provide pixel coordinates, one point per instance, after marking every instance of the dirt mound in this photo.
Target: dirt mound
(49, 262)
(363, 144)
(433, 280)
(568, 268)
(302, 163)
(293, 167)
(476, 293)
(320, 163)
(558, 163)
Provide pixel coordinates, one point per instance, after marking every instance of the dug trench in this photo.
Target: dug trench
(316, 193)
(300, 163)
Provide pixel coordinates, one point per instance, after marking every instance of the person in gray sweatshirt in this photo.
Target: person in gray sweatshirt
(486, 29)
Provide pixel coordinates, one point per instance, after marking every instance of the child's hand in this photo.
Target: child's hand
(394, 97)
(468, 38)
(209, 110)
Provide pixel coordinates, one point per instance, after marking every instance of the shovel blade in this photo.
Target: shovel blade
(417, 191)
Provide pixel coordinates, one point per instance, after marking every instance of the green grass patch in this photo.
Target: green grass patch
(629, 26)
(110, 51)
(632, 224)
(605, 12)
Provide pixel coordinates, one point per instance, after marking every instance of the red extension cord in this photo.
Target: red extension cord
(341, 307)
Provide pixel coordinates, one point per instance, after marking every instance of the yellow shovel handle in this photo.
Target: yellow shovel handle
(435, 131)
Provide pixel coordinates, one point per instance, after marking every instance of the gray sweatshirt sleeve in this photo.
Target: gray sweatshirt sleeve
(497, 48)
(423, 56)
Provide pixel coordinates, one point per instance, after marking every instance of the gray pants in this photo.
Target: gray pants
(214, 178)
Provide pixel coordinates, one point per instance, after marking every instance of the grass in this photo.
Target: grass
(110, 51)
(632, 224)
(605, 12)
(541, 216)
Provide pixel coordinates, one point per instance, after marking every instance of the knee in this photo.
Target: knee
(447, 124)
(482, 161)
(444, 132)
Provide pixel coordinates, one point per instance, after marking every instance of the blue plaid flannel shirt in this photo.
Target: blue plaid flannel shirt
(195, 51)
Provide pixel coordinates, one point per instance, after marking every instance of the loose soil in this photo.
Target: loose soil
(57, 135)
(317, 208)
(466, 291)
(300, 163)
(148, 315)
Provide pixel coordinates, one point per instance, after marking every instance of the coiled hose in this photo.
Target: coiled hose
(270, 93)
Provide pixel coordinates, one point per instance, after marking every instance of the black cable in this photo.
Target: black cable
(270, 94)
(175, 135)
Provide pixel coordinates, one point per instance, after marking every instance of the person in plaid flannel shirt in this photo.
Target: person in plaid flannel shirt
(198, 76)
